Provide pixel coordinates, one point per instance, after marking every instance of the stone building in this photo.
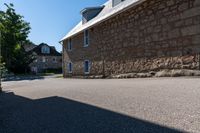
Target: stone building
(46, 57)
(126, 36)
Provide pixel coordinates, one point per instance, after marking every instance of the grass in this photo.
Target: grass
(45, 74)
(59, 76)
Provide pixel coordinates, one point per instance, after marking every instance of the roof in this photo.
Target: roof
(91, 8)
(107, 12)
(53, 51)
(28, 47)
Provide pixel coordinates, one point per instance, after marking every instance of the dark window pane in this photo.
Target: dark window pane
(86, 66)
(86, 37)
(69, 46)
(86, 33)
(70, 67)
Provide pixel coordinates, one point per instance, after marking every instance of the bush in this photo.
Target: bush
(3, 70)
(53, 70)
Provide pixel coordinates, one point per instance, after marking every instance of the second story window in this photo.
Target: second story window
(45, 50)
(86, 38)
(69, 45)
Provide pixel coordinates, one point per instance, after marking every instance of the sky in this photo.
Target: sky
(50, 20)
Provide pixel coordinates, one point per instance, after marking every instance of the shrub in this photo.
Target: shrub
(3, 70)
(53, 70)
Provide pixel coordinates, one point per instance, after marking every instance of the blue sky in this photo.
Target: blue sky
(50, 20)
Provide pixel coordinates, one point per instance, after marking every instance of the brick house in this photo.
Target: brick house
(46, 57)
(125, 36)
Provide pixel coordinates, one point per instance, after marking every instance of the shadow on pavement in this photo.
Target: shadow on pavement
(60, 115)
(21, 78)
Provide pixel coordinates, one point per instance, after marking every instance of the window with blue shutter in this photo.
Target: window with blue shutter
(86, 66)
(86, 38)
(69, 67)
(69, 45)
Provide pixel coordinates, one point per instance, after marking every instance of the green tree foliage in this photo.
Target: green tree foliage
(14, 33)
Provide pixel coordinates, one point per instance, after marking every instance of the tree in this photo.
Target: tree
(14, 36)
(21, 60)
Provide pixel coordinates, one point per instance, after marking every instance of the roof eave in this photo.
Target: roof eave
(126, 8)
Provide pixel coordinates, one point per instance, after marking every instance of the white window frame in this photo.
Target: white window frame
(88, 66)
(68, 67)
(86, 38)
(69, 44)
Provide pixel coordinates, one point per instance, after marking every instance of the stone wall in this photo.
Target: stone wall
(157, 34)
(48, 64)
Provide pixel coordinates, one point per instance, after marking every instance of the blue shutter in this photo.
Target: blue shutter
(87, 66)
(86, 38)
(69, 45)
(70, 67)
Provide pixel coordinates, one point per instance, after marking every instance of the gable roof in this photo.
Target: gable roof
(107, 12)
(53, 51)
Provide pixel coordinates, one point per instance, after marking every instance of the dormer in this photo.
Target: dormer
(90, 13)
(116, 2)
(45, 49)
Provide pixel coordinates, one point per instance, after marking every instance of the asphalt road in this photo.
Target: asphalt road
(53, 105)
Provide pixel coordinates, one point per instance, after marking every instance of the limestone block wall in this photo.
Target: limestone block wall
(154, 35)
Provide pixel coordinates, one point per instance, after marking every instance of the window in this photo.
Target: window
(69, 45)
(43, 59)
(45, 50)
(87, 67)
(69, 67)
(86, 38)
(54, 60)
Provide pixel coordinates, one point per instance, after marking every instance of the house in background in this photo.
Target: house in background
(125, 36)
(47, 58)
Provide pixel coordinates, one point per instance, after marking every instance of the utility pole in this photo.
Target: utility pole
(0, 65)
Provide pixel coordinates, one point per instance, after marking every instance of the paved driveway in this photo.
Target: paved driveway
(53, 105)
